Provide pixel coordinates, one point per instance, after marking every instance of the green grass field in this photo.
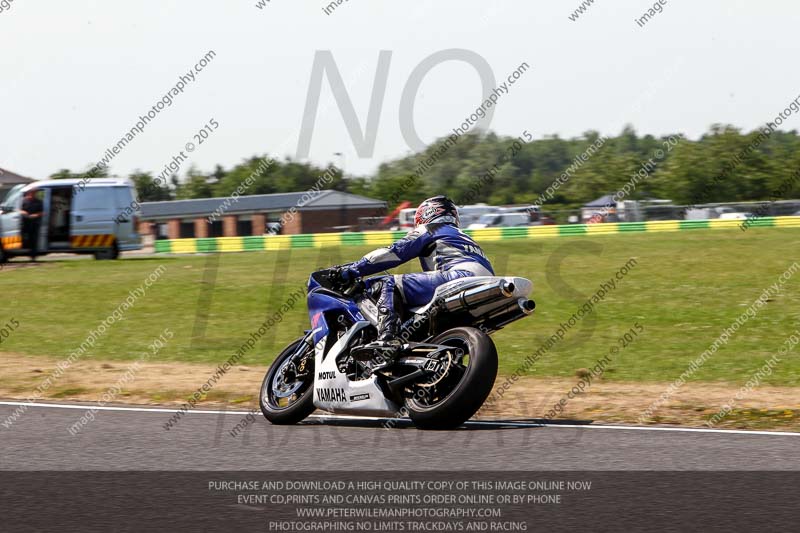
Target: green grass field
(685, 289)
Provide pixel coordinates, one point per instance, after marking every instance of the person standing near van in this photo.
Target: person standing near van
(31, 221)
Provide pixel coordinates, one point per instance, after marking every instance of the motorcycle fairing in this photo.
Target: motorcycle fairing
(321, 304)
(334, 392)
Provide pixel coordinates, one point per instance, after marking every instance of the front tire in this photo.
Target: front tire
(464, 387)
(287, 392)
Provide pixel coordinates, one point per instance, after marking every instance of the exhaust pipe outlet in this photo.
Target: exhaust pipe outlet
(507, 288)
(518, 308)
(511, 312)
(478, 296)
(526, 306)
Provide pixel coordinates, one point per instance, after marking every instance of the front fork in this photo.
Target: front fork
(302, 358)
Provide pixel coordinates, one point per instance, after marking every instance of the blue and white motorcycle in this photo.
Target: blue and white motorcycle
(444, 372)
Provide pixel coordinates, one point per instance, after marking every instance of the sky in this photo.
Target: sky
(77, 75)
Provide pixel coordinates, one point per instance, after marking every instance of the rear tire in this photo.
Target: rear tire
(301, 406)
(472, 389)
(108, 253)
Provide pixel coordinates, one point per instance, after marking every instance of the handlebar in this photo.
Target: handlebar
(331, 279)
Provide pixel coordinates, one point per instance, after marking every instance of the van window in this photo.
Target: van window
(13, 196)
(489, 219)
(515, 219)
(124, 198)
(94, 198)
(469, 214)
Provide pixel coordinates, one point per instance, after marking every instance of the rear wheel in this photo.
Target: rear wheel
(450, 397)
(287, 392)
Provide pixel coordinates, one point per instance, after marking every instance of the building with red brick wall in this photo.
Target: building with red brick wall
(283, 213)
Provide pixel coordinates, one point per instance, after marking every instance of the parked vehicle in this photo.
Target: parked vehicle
(537, 218)
(406, 218)
(735, 215)
(443, 374)
(100, 217)
(501, 220)
(468, 214)
(531, 210)
(721, 212)
(273, 228)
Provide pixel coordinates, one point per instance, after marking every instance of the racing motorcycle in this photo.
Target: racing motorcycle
(443, 373)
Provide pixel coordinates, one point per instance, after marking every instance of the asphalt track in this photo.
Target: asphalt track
(132, 438)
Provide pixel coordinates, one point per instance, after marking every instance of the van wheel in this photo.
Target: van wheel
(3, 256)
(108, 253)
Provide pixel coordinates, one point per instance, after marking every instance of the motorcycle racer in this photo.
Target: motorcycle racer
(445, 254)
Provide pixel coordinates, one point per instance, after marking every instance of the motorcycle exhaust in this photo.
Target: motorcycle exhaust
(522, 307)
(478, 296)
(526, 306)
(509, 313)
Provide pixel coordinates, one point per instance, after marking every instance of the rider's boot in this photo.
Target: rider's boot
(387, 347)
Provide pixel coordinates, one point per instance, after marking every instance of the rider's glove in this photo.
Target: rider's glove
(349, 279)
(348, 273)
(342, 276)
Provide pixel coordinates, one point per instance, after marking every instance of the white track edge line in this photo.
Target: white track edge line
(373, 418)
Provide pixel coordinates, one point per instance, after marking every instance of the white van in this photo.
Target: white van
(501, 220)
(100, 217)
(470, 214)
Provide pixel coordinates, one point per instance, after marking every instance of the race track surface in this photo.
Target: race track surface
(135, 439)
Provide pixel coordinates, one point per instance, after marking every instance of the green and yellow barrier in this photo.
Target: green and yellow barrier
(383, 238)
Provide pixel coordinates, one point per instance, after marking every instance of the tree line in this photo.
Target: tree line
(723, 165)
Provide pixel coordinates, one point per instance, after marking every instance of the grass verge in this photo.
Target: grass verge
(684, 290)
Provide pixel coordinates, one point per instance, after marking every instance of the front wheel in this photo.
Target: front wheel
(287, 393)
(452, 396)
